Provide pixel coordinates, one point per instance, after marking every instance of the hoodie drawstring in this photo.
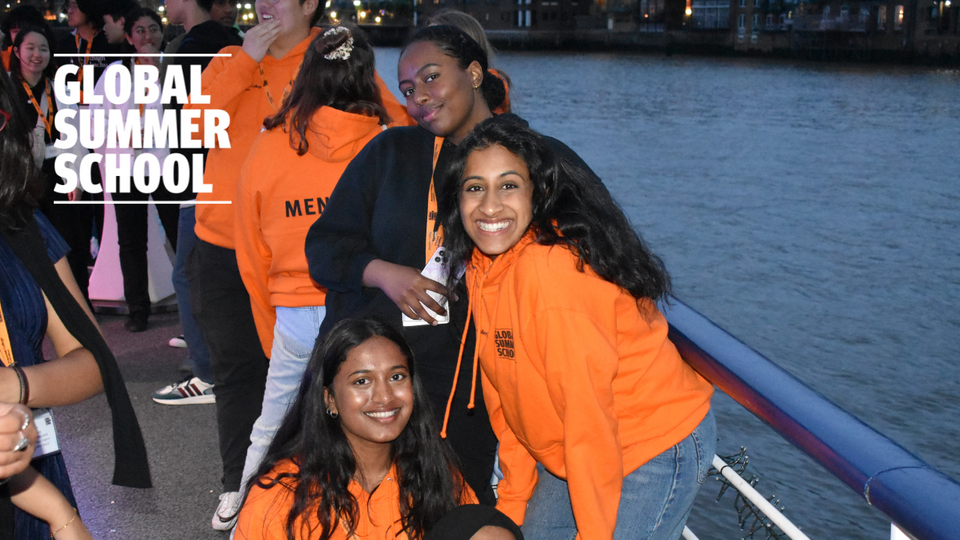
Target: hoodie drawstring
(456, 375)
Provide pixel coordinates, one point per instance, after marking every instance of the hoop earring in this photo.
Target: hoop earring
(332, 414)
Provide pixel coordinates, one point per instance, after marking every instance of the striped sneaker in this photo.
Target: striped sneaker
(190, 391)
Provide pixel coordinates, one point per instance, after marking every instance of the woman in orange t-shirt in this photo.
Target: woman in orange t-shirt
(603, 429)
(359, 455)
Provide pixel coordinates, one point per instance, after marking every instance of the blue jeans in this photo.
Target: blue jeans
(293, 337)
(655, 500)
(196, 346)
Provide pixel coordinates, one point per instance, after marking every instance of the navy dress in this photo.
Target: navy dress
(26, 315)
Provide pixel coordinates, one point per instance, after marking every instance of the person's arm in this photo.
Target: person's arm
(340, 247)
(13, 417)
(406, 286)
(254, 256)
(580, 355)
(35, 495)
(518, 466)
(71, 377)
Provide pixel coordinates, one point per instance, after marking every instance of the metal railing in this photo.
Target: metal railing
(919, 499)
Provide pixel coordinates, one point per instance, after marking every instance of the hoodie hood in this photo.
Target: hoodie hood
(335, 136)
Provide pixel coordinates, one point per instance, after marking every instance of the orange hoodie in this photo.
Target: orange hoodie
(236, 86)
(279, 196)
(577, 375)
(264, 514)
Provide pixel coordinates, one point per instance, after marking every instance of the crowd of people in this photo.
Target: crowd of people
(366, 382)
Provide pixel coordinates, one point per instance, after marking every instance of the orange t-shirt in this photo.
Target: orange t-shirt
(264, 514)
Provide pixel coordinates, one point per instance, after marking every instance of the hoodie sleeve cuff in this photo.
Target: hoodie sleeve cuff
(513, 508)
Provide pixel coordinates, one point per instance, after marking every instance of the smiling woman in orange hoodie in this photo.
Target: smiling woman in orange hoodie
(333, 110)
(577, 370)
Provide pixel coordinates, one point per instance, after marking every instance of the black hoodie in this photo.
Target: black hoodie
(205, 38)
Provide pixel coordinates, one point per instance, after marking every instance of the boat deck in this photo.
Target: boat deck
(181, 444)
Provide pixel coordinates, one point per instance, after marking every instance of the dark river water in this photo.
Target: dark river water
(811, 210)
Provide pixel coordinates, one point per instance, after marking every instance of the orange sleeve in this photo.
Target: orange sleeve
(224, 81)
(395, 110)
(518, 466)
(583, 360)
(253, 254)
(264, 514)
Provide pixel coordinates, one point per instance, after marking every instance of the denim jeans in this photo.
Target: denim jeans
(293, 337)
(196, 346)
(655, 499)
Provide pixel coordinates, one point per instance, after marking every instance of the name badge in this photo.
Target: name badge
(47, 442)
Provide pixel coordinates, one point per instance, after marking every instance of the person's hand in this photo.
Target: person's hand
(258, 39)
(75, 194)
(18, 437)
(407, 287)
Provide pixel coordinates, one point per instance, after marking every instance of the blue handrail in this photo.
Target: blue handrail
(921, 500)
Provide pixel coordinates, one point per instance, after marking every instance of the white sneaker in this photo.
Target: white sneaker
(226, 515)
(178, 342)
(189, 391)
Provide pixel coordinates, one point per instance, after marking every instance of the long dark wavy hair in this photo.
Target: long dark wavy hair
(345, 84)
(51, 70)
(20, 186)
(429, 480)
(455, 43)
(570, 208)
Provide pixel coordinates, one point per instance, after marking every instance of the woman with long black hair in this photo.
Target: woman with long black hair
(605, 432)
(358, 455)
(39, 298)
(32, 71)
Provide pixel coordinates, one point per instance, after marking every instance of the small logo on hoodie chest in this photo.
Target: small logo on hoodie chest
(503, 339)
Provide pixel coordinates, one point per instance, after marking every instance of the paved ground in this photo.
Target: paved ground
(181, 444)
(182, 447)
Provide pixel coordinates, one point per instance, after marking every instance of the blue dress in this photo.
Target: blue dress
(26, 315)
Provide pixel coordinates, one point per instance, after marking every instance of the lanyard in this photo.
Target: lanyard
(139, 105)
(286, 89)
(47, 118)
(434, 230)
(6, 348)
(83, 60)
